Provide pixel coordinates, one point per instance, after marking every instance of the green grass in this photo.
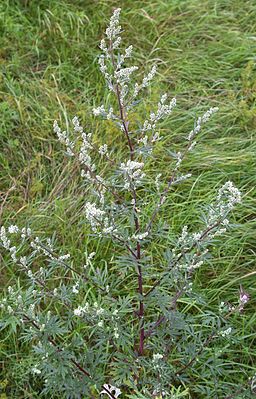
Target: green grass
(205, 51)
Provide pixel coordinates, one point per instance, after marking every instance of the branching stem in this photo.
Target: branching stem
(125, 124)
(74, 362)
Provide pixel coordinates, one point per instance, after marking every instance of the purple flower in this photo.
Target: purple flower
(244, 297)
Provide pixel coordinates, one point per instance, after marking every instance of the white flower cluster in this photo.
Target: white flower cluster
(103, 149)
(98, 220)
(157, 361)
(157, 357)
(147, 79)
(38, 246)
(75, 288)
(94, 215)
(123, 75)
(63, 258)
(123, 57)
(132, 171)
(253, 384)
(225, 333)
(117, 76)
(181, 178)
(83, 154)
(86, 145)
(145, 82)
(228, 196)
(104, 70)
(199, 123)
(100, 111)
(81, 310)
(89, 259)
(13, 229)
(150, 125)
(64, 139)
(5, 241)
(184, 234)
(157, 182)
(180, 156)
(36, 370)
(163, 109)
(195, 264)
(113, 36)
(216, 224)
(232, 194)
(223, 307)
(93, 312)
(114, 29)
(189, 263)
(116, 333)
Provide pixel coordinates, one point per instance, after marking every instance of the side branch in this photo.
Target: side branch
(74, 362)
(203, 235)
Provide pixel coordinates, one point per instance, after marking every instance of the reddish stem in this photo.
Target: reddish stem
(141, 304)
(125, 124)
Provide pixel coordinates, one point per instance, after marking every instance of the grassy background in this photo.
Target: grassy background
(205, 51)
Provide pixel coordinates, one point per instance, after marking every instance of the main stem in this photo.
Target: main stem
(125, 124)
(140, 290)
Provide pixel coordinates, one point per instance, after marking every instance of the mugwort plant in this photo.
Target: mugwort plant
(120, 327)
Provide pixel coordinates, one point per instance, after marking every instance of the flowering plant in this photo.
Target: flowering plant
(120, 326)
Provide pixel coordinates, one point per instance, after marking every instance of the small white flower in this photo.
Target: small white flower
(64, 138)
(116, 334)
(3, 237)
(75, 288)
(132, 171)
(123, 75)
(36, 370)
(23, 261)
(225, 222)
(114, 28)
(184, 235)
(30, 273)
(10, 309)
(226, 332)
(149, 77)
(10, 290)
(13, 229)
(78, 312)
(99, 111)
(63, 257)
(199, 123)
(140, 236)
(157, 357)
(128, 51)
(103, 149)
